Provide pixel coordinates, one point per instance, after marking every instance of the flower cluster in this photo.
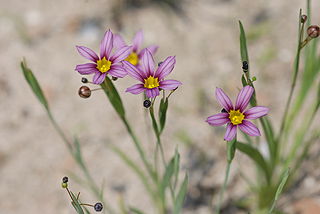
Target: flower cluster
(127, 60)
(237, 116)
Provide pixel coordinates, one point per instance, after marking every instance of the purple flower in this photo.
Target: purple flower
(151, 80)
(237, 116)
(107, 63)
(135, 56)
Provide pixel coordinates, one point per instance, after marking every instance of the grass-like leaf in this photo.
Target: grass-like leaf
(113, 96)
(255, 155)
(162, 113)
(181, 195)
(31, 79)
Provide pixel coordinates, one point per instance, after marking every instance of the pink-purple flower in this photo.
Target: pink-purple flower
(237, 116)
(107, 63)
(151, 80)
(135, 56)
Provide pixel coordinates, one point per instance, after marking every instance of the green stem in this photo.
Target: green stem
(141, 152)
(64, 138)
(223, 188)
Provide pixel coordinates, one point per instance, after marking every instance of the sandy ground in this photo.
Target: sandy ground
(205, 40)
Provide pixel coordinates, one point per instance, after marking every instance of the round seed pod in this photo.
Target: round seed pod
(84, 92)
(304, 18)
(245, 66)
(159, 63)
(65, 179)
(313, 31)
(64, 185)
(146, 103)
(98, 207)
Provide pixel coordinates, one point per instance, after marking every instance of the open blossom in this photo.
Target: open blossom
(151, 80)
(107, 63)
(237, 116)
(135, 56)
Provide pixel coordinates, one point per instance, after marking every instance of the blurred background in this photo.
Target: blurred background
(204, 37)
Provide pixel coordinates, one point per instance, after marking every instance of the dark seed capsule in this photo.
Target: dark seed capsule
(245, 66)
(114, 78)
(65, 179)
(84, 80)
(313, 31)
(223, 111)
(98, 207)
(159, 63)
(146, 103)
(84, 92)
(304, 18)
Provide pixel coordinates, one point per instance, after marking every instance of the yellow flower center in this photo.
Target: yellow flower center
(151, 82)
(236, 117)
(133, 59)
(103, 65)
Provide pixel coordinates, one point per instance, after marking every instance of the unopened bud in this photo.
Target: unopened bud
(84, 92)
(313, 31)
(65, 179)
(159, 63)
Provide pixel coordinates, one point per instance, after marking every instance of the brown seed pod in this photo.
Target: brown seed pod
(313, 31)
(304, 18)
(84, 92)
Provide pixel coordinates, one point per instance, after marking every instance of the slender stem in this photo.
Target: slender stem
(274, 203)
(64, 138)
(137, 144)
(223, 189)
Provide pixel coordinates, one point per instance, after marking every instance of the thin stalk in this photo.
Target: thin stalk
(137, 144)
(223, 188)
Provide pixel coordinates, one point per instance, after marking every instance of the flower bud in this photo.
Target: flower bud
(84, 80)
(313, 31)
(98, 207)
(146, 103)
(84, 92)
(65, 179)
(254, 78)
(159, 63)
(304, 18)
(114, 78)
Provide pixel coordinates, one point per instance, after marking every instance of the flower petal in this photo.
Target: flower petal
(134, 72)
(152, 92)
(88, 68)
(224, 100)
(153, 49)
(256, 112)
(120, 54)
(87, 53)
(106, 45)
(136, 89)
(137, 41)
(117, 71)
(218, 119)
(118, 41)
(147, 63)
(231, 132)
(243, 98)
(249, 128)
(165, 68)
(169, 84)
(98, 78)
